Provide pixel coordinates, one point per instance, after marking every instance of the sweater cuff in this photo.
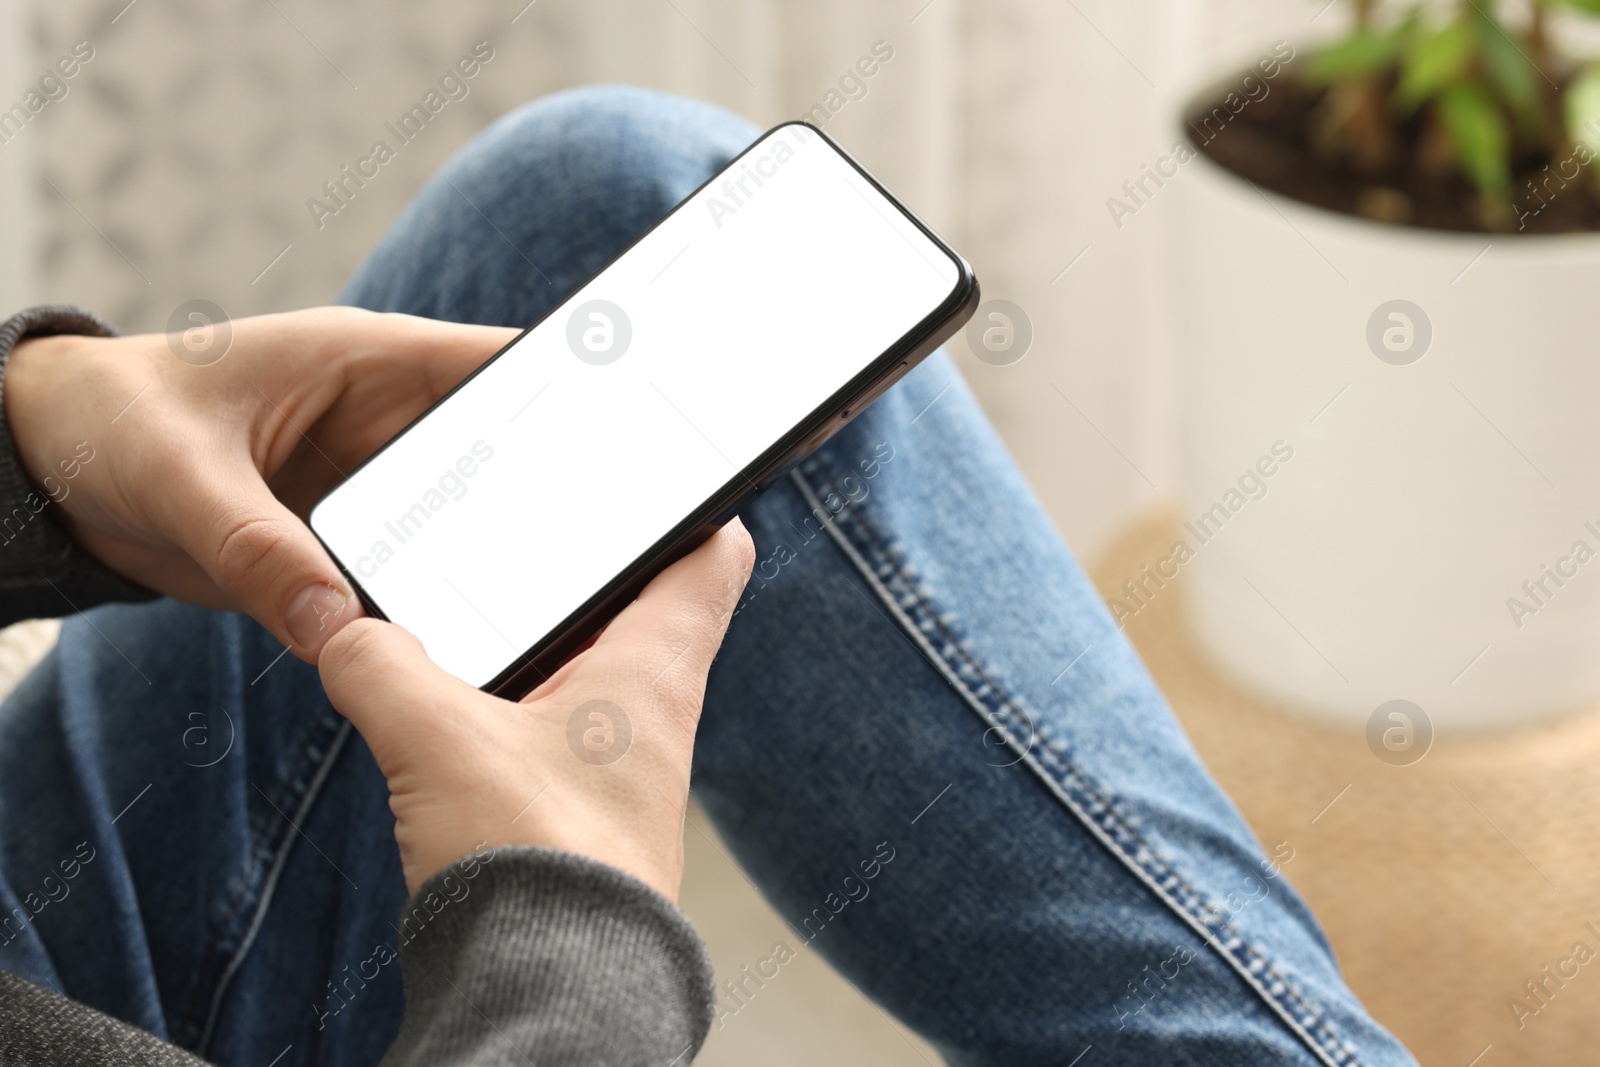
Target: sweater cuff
(43, 573)
(558, 958)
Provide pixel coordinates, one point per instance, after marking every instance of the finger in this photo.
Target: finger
(446, 352)
(678, 622)
(364, 343)
(263, 558)
(380, 678)
(385, 371)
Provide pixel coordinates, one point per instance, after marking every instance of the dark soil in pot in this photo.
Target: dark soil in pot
(1269, 141)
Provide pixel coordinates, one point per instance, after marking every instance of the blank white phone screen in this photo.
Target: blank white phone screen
(505, 509)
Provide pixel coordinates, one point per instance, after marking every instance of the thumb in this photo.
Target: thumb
(380, 678)
(267, 562)
(679, 620)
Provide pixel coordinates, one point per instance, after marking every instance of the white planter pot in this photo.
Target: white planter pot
(1380, 562)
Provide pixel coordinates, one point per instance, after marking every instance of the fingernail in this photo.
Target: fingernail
(316, 613)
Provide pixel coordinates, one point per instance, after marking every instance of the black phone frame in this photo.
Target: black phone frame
(528, 670)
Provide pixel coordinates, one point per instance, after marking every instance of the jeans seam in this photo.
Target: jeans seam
(253, 900)
(1071, 786)
(213, 951)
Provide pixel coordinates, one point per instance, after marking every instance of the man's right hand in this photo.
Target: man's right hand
(595, 761)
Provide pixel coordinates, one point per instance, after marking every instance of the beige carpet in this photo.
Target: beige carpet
(1444, 886)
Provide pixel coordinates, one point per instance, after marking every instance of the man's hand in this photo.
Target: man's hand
(595, 761)
(199, 474)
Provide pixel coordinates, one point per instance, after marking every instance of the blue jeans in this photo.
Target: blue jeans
(924, 738)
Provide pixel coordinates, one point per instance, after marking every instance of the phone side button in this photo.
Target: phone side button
(737, 506)
(782, 470)
(878, 389)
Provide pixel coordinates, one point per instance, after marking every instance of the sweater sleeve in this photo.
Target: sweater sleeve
(43, 574)
(514, 956)
(44, 1029)
(546, 957)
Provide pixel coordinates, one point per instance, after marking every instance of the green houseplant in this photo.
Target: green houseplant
(1454, 119)
(1387, 249)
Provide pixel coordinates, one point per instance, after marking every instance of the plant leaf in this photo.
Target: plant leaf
(1480, 135)
(1435, 61)
(1591, 6)
(1581, 107)
(1510, 71)
(1363, 52)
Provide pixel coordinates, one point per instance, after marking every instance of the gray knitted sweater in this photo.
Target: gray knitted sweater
(576, 963)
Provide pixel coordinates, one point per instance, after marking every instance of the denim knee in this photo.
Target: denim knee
(615, 158)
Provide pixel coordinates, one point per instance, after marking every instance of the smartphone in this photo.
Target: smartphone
(510, 521)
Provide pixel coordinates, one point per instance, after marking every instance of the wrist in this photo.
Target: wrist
(646, 846)
(26, 375)
(37, 387)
